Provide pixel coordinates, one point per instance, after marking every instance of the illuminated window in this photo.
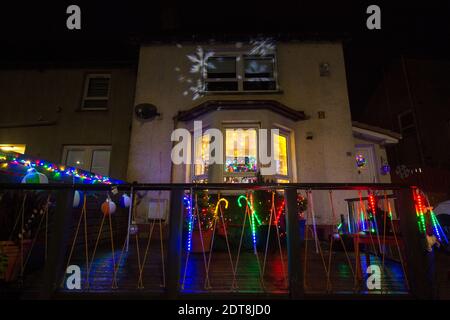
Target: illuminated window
(281, 159)
(201, 155)
(240, 155)
(17, 148)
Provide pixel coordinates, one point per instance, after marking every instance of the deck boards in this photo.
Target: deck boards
(248, 278)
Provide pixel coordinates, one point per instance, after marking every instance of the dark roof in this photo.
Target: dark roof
(387, 132)
(216, 105)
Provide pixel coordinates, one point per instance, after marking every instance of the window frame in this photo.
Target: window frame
(88, 154)
(85, 98)
(240, 73)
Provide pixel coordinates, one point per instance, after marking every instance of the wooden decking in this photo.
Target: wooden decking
(220, 275)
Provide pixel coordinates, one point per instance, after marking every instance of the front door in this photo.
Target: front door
(366, 163)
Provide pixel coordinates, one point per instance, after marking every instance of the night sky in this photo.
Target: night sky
(36, 31)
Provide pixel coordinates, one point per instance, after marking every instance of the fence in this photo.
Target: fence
(172, 240)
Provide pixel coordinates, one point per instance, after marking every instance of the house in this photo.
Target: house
(298, 87)
(66, 113)
(412, 99)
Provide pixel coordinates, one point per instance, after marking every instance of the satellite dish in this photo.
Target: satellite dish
(146, 111)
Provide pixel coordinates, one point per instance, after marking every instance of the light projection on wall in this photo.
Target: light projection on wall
(241, 150)
(262, 47)
(203, 63)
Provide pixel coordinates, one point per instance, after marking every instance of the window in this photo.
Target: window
(96, 92)
(239, 72)
(259, 73)
(201, 154)
(241, 164)
(281, 143)
(90, 158)
(9, 147)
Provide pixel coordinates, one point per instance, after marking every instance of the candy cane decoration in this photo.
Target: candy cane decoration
(216, 210)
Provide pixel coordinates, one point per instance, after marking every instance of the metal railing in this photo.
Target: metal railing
(131, 252)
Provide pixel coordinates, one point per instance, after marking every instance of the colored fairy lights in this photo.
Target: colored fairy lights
(54, 171)
(440, 234)
(188, 206)
(424, 210)
(372, 204)
(250, 206)
(280, 211)
(420, 211)
(253, 217)
(373, 208)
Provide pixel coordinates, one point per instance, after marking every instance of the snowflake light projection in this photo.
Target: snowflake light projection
(262, 47)
(199, 67)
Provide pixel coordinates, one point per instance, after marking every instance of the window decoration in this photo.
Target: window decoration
(241, 151)
(361, 162)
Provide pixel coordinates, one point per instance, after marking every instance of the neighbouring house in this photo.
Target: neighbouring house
(77, 115)
(412, 98)
(298, 87)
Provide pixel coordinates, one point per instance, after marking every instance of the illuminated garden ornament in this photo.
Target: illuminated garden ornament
(187, 204)
(33, 176)
(252, 221)
(433, 228)
(216, 210)
(108, 207)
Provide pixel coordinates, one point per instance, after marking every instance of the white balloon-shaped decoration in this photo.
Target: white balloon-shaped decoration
(33, 176)
(78, 199)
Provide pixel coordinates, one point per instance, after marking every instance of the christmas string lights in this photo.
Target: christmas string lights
(250, 206)
(420, 201)
(373, 207)
(420, 211)
(187, 204)
(280, 211)
(252, 220)
(440, 234)
(54, 171)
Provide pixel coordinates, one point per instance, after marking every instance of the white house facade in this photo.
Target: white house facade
(299, 88)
